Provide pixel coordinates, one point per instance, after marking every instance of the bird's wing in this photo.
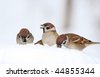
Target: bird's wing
(78, 39)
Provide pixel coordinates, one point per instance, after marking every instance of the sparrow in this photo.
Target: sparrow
(49, 35)
(73, 41)
(24, 37)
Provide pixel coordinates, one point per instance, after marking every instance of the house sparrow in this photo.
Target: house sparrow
(49, 34)
(73, 41)
(24, 37)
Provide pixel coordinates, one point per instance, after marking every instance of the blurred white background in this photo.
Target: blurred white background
(79, 16)
(15, 14)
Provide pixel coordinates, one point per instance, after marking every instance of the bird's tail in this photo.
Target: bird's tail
(39, 42)
(95, 43)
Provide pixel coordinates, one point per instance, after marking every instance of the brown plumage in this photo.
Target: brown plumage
(24, 37)
(49, 35)
(73, 41)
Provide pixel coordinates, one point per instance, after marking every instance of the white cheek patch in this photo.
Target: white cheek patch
(64, 42)
(21, 40)
(28, 36)
(27, 39)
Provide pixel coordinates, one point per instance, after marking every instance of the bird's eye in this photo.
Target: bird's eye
(47, 28)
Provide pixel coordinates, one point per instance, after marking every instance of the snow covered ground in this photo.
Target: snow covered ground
(37, 54)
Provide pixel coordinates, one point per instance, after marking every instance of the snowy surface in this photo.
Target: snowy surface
(37, 54)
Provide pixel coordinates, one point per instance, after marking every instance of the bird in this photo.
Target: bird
(73, 41)
(49, 35)
(24, 37)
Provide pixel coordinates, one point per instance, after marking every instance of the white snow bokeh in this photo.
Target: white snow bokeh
(16, 14)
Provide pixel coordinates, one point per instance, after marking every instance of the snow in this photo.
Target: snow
(37, 54)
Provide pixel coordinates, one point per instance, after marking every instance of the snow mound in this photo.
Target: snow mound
(37, 54)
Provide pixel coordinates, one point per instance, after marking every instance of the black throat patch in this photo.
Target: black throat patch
(43, 30)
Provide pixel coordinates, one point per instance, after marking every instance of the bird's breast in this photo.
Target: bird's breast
(49, 38)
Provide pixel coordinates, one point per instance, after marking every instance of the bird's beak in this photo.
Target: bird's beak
(42, 26)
